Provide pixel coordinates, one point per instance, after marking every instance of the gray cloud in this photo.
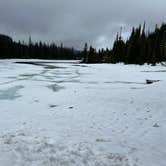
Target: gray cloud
(75, 22)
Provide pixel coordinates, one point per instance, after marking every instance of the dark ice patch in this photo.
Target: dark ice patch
(155, 71)
(11, 93)
(46, 65)
(55, 87)
(81, 65)
(123, 82)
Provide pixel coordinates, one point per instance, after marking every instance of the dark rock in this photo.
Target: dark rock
(151, 81)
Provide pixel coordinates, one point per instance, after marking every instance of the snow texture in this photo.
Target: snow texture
(62, 113)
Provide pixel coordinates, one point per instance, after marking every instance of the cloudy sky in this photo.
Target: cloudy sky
(75, 22)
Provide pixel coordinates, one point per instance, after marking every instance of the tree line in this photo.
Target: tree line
(34, 50)
(141, 47)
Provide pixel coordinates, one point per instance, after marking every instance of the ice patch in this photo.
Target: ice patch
(42, 64)
(11, 93)
(55, 87)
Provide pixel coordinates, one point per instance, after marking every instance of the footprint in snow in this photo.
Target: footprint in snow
(102, 140)
(131, 102)
(156, 125)
(53, 106)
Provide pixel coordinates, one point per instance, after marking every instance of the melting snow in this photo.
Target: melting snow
(70, 114)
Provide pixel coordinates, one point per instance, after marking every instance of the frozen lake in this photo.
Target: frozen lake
(58, 113)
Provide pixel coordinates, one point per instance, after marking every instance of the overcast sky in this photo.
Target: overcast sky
(75, 22)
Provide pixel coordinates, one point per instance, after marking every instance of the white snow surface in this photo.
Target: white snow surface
(68, 114)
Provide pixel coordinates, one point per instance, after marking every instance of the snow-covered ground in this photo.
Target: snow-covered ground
(69, 114)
